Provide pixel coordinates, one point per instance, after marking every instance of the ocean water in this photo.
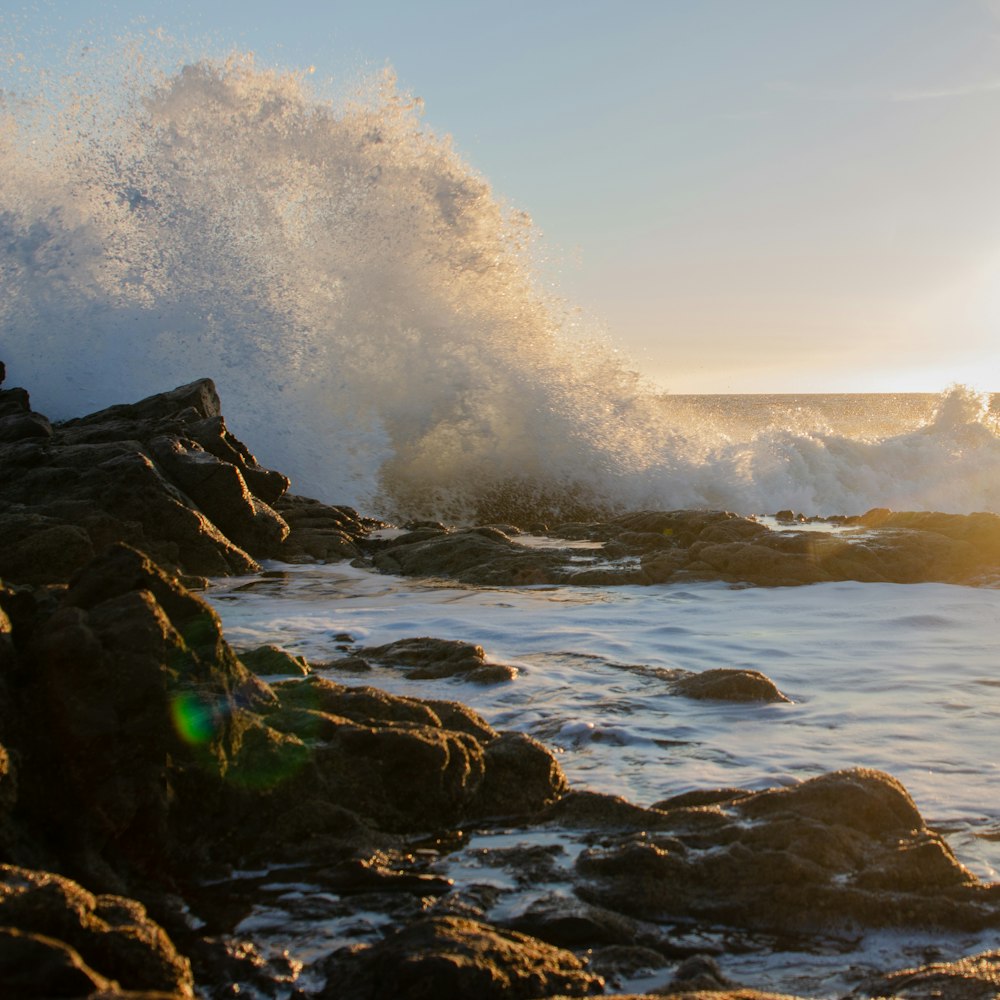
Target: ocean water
(375, 320)
(901, 678)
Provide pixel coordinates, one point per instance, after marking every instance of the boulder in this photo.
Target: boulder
(18, 422)
(76, 940)
(451, 958)
(407, 765)
(729, 684)
(426, 658)
(271, 660)
(321, 532)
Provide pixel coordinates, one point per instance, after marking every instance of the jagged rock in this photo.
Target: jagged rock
(79, 938)
(163, 474)
(451, 958)
(321, 532)
(842, 848)
(18, 422)
(128, 702)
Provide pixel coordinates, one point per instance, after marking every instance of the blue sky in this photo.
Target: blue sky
(749, 195)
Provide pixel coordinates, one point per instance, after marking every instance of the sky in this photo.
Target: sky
(746, 195)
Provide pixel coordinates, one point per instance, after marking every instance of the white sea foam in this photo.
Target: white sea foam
(371, 311)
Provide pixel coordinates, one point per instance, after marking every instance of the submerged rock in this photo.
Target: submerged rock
(426, 658)
(728, 684)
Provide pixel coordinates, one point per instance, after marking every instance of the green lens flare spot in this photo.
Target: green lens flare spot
(193, 718)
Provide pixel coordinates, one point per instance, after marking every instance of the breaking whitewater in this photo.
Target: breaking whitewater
(371, 316)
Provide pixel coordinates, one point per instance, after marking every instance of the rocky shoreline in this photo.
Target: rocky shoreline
(142, 759)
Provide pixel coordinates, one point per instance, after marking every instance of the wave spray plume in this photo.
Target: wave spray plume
(369, 311)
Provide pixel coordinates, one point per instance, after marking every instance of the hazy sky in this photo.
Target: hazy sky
(750, 195)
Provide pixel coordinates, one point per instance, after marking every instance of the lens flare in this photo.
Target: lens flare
(193, 718)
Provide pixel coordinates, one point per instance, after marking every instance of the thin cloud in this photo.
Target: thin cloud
(947, 93)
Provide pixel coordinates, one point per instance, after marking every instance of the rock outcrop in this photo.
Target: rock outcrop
(655, 547)
(164, 475)
(842, 849)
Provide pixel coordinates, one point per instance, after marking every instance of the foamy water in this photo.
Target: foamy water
(371, 313)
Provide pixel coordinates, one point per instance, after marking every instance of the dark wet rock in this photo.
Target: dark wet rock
(840, 849)
(321, 532)
(221, 493)
(451, 958)
(737, 993)
(35, 966)
(727, 684)
(571, 923)
(273, 661)
(699, 972)
(127, 710)
(652, 547)
(18, 422)
(522, 777)
(405, 764)
(430, 659)
(900, 547)
(163, 474)
(601, 811)
(79, 936)
(624, 961)
(473, 555)
(976, 977)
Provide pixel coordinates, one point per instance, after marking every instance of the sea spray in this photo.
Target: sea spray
(370, 311)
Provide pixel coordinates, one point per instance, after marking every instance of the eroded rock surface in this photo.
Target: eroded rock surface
(847, 848)
(75, 943)
(452, 959)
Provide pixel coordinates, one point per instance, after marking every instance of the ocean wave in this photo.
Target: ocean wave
(372, 313)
